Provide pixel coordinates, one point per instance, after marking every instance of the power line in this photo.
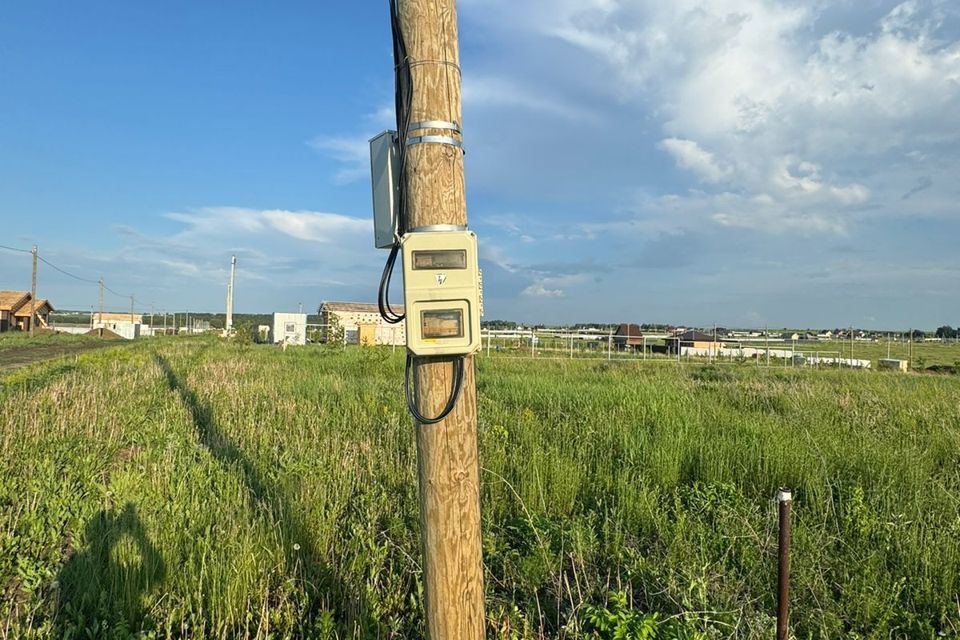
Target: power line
(66, 273)
(121, 295)
(2, 246)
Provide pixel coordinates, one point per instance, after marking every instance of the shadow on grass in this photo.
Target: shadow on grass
(325, 590)
(101, 589)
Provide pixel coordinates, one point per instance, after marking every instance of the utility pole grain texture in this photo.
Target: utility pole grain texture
(448, 464)
(33, 291)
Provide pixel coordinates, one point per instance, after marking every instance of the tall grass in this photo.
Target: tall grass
(203, 489)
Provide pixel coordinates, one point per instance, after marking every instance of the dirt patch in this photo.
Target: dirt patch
(106, 334)
(128, 453)
(17, 357)
(945, 369)
(66, 546)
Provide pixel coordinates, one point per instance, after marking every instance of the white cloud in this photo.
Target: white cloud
(330, 248)
(316, 226)
(689, 155)
(539, 290)
(756, 98)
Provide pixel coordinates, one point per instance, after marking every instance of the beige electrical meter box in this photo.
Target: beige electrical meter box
(441, 291)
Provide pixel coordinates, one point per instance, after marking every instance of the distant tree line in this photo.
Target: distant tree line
(946, 332)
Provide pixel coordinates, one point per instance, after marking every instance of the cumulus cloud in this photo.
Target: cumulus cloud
(756, 98)
(540, 290)
(316, 226)
(689, 155)
(330, 249)
(627, 130)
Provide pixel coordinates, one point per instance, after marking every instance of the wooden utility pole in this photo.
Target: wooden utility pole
(33, 291)
(447, 459)
(131, 308)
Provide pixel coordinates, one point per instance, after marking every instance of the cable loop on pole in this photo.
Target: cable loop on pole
(451, 401)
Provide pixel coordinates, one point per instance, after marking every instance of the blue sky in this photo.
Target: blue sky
(741, 162)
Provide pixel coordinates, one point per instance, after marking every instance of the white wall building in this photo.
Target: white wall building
(289, 328)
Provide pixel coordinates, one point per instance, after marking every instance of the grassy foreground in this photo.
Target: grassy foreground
(191, 488)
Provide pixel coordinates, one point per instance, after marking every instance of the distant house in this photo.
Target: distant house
(126, 325)
(41, 308)
(109, 317)
(10, 303)
(628, 336)
(693, 339)
(361, 323)
(15, 309)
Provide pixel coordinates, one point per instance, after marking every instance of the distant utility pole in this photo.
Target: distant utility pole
(151, 318)
(714, 345)
(910, 349)
(228, 325)
(101, 300)
(33, 291)
(131, 308)
(851, 345)
(447, 459)
(766, 340)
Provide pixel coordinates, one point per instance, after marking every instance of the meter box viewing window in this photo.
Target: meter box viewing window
(442, 294)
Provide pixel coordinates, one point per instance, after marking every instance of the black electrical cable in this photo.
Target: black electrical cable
(403, 97)
(383, 297)
(451, 401)
(403, 103)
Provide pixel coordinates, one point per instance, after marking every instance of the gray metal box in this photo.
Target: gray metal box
(384, 174)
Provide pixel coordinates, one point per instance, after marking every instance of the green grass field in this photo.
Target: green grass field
(20, 339)
(194, 488)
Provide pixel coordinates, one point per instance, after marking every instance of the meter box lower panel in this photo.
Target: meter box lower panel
(441, 279)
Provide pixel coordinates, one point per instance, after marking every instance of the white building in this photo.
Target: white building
(362, 324)
(289, 328)
(125, 325)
